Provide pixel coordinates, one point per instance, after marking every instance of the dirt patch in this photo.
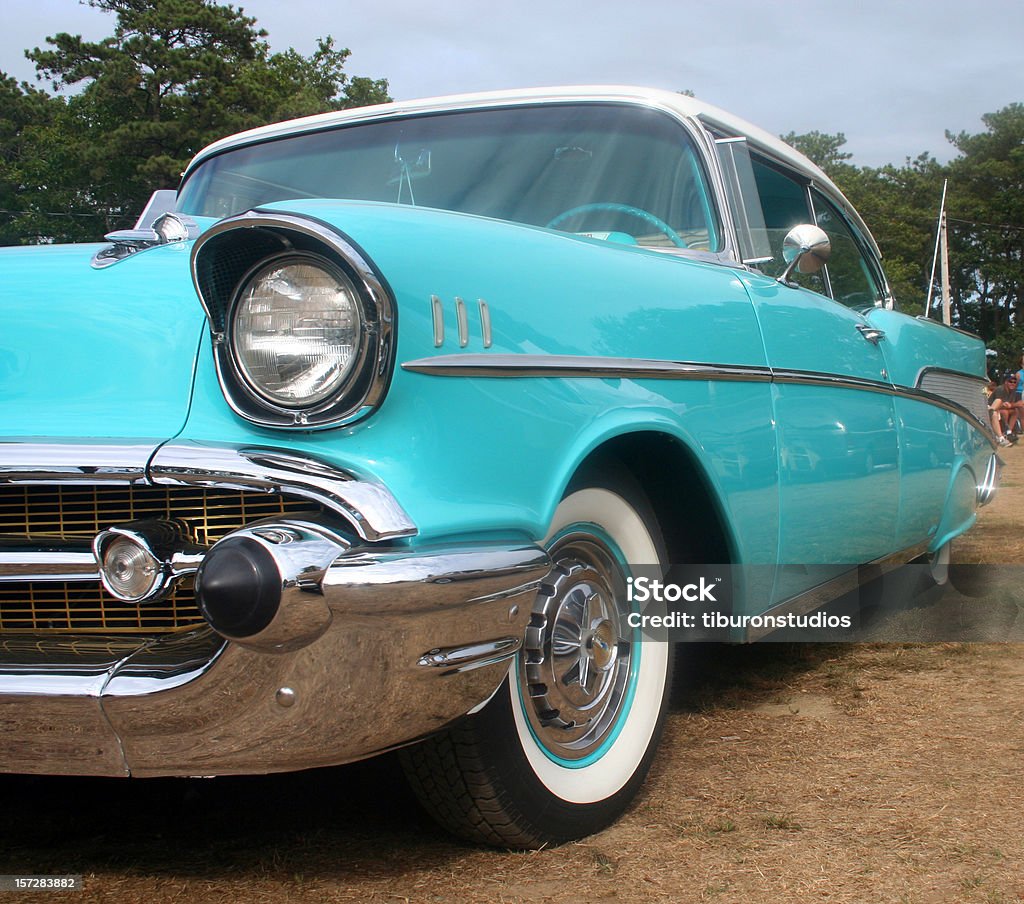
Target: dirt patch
(788, 773)
(808, 706)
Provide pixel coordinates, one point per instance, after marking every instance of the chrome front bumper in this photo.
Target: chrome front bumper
(384, 645)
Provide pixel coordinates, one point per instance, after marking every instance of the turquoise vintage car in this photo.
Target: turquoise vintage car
(354, 441)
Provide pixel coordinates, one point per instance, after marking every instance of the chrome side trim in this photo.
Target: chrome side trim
(938, 401)
(374, 513)
(475, 365)
(837, 381)
(903, 392)
(575, 366)
(838, 586)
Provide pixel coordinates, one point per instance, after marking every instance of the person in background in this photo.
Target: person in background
(1004, 407)
(1020, 382)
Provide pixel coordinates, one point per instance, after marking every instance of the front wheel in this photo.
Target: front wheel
(564, 745)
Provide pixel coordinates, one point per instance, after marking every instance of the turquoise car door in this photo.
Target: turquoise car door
(838, 437)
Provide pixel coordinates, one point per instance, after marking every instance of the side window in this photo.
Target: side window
(852, 275)
(785, 203)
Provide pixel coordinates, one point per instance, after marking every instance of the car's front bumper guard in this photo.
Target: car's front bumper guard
(367, 647)
(406, 641)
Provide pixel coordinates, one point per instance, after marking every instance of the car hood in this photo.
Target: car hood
(96, 353)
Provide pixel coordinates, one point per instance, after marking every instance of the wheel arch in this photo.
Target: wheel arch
(682, 497)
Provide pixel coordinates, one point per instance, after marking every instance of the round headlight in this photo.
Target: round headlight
(296, 330)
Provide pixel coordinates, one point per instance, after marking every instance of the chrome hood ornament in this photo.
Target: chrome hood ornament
(159, 224)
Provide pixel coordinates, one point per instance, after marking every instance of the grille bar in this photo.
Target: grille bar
(50, 560)
(31, 608)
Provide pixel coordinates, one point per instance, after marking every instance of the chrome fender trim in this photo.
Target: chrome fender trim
(585, 366)
(373, 511)
(375, 514)
(990, 482)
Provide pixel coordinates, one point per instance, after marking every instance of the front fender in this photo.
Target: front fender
(466, 453)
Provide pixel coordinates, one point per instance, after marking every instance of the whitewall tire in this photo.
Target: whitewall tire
(564, 745)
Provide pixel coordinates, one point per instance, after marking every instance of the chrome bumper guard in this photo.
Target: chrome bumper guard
(408, 641)
(361, 648)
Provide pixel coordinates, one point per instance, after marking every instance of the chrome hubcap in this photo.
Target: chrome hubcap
(576, 663)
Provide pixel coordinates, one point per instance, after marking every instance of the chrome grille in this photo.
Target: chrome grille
(966, 391)
(31, 608)
(80, 512)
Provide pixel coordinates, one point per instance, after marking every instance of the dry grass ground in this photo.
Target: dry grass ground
(873, 773)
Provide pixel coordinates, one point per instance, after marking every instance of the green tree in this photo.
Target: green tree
(899, 203)
(174, 76)
(986, 213)
(820, 148)
(26, 116)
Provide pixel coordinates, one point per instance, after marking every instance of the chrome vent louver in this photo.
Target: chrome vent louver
(966, 391)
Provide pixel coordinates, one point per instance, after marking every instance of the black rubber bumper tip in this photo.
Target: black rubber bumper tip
(238, 587)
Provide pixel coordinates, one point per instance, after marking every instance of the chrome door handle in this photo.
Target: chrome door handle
(870, 333)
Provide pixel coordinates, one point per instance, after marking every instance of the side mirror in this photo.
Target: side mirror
(805, 248)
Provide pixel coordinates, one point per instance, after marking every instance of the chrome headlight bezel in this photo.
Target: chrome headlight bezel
(229, 255)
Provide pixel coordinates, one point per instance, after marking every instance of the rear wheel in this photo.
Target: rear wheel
(562, 748)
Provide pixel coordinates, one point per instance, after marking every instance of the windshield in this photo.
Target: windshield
(632, 172)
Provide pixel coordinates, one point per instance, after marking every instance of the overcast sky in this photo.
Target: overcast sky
(892, 75)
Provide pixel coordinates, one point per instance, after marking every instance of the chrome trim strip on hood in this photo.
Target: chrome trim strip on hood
(28, 461)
